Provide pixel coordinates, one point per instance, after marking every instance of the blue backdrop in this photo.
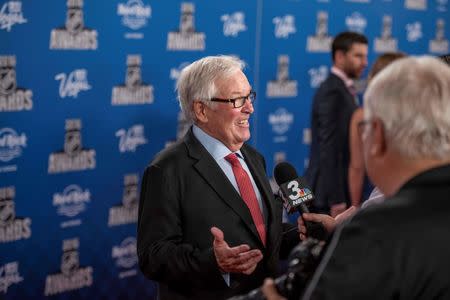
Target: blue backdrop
(87, 99)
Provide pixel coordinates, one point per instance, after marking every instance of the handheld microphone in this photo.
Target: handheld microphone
(297, 195)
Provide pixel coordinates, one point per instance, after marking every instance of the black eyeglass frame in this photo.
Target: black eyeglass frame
(250, 97)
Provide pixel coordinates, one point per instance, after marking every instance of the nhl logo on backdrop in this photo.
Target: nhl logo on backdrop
(11, 14)
(11, 228)
(7, 206)
(127, 212)
(440, 44)
(7, 75)
(74, 157)
(134, 91)
(186, 38)
(282, 86)
(72, 276)
(74, 35)
(386, 43)
(72, 139)
(70, 262)
(9, 275)
(321, 42)
(12, 98)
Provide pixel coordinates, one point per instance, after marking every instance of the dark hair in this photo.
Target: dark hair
(383, 60)
(445, 58)
(345, 40)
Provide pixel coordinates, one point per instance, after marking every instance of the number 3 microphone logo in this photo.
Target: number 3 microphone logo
(294, 189)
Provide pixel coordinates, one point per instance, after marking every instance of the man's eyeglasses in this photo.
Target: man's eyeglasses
(239, 101)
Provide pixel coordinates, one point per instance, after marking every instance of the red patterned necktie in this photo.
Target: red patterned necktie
(248, 194)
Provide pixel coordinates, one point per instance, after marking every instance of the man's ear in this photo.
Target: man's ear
(339, 57)
(378, 147)
(199, 109)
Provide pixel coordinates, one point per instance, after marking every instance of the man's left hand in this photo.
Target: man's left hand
(239, 259)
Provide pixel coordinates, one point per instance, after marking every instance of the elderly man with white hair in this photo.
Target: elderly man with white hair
(398, 249)
(209, 226)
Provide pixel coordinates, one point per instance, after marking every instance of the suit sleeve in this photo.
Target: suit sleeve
(352, 267)
(331, 137)
(163, 255)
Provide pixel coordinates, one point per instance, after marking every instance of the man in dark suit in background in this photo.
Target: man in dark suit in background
(333, 106)
(209, 226)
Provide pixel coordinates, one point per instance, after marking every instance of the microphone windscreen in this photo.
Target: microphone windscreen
(284, 172)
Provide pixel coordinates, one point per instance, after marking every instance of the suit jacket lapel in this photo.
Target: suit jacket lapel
(349, 97)
(214, 176)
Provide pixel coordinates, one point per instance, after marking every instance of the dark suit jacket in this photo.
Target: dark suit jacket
(184, 193)
(398, 249)
(327, 173)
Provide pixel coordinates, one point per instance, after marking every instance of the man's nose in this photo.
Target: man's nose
(248, 106)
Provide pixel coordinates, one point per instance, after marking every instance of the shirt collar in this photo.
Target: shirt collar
(339, 73)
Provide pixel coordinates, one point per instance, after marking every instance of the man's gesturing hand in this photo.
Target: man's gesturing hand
(239, 259)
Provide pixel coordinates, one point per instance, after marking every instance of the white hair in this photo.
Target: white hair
(411, 96)
(197, 80)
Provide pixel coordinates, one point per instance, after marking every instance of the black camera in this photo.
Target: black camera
(302, 263)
